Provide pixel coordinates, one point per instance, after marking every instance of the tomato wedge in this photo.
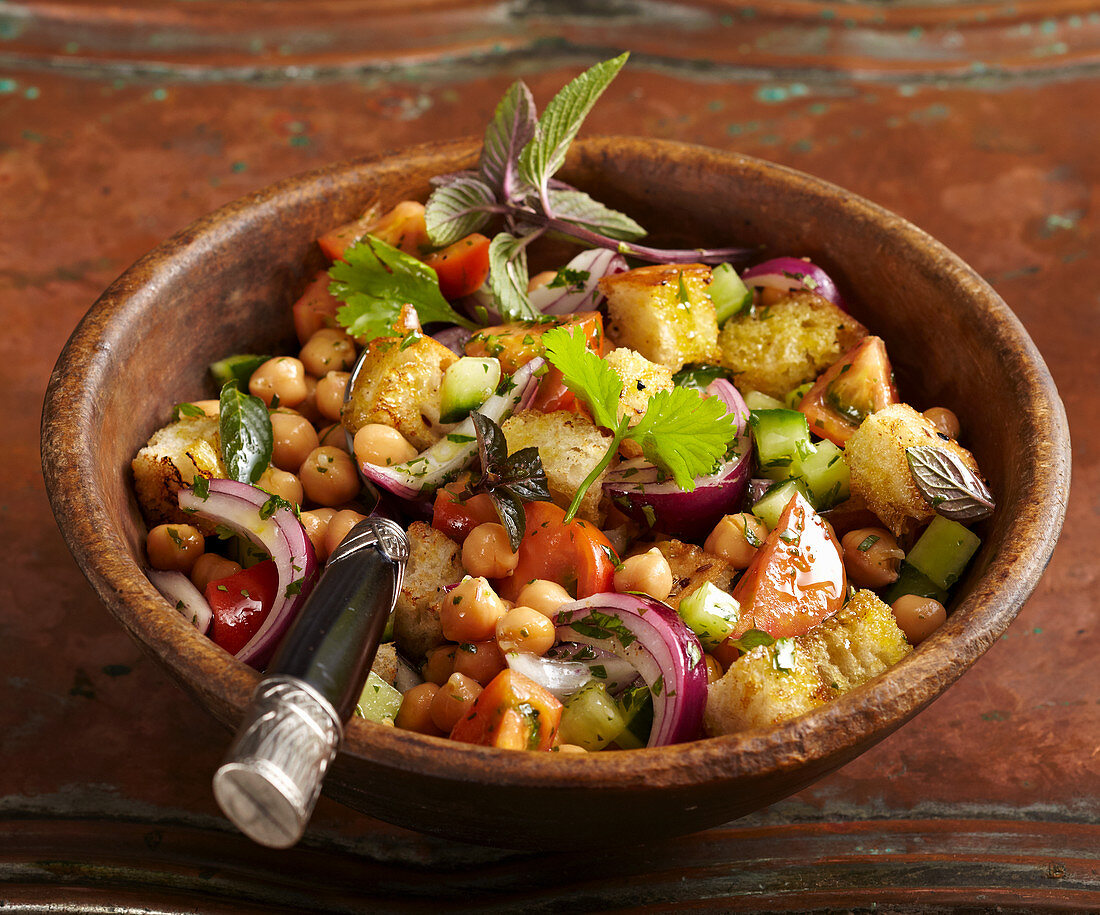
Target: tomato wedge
(576, 555)
(315, 309)
(517, 343)
(241, 603)
(797, 578)
(456, 519)
(861, 382)
(461, 267)
(403, 227)
(513, 713)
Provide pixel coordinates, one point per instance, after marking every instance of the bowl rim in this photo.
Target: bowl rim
(824, 733)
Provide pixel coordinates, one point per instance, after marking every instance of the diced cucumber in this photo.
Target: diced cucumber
(794, 398)
(636, 705)
(728, 292)
(698, 377)
(943, 551)
(379, 701)
(912, 581)
(591, 718)
(758, 400)
(710, 613)
(826, 475)
(782, 442)
(239, 367)
(466, 385)
(770, 506)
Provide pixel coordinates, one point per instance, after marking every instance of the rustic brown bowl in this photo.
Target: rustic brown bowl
(225, 284)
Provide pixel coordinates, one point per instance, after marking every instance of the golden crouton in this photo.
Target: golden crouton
(875, 455)
(570, 445)
(385, 662)
(692, 567)
(399, 387)
(663, 312)
(641, 380)
(845, 651)
(435, 562)
(775, 349)
(170, 461)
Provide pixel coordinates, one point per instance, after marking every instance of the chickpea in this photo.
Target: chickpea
(174, 547)
(545, 596)
(714, 668)
(284, 484)
(334, 436)
(330, 349)
(293, 439)
(329, 476)
(209, 407)
(479, 661)
(308, 407)
(487, 552)
(470, 611)
(918, 617)
(647, 572)
(210, 567)
(736, 538)
(316, 524)
(944, 420)
(283, 377)
(871, 556)
(541, 279)
(439, 664)
(330, 394)
(453, 701)
(525, 629)
(415, 713)
(339, 526)
(383, 445)
(769, 295)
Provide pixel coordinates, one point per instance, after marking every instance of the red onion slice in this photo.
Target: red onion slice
(454, 338)
(792, 273)
(611, 670)
(633, 485)
(653, 638)
(431, 469)
(238, 507)
(560, 678)
(595, 263)
(184, 596)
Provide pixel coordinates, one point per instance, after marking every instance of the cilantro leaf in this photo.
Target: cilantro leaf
(376, 279)
(684, 433)
(244, 426)
(585, 374)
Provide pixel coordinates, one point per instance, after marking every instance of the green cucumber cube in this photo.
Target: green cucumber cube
(466, 385)
(770, 506)
(826, 475)
(728, 292)
(591, 718)
(710, 613)
(379, 701)
(943, 551)
(782, 440)
(758, 400)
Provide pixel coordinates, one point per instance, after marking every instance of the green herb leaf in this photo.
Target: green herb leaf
(200, 486)
(569, 280)
(376, 279)
(684, 433)
(585, 373)
(511, 129)
(948, 485)
(577, 208)
(561, 121)
(246, 436)
(508, 277)
(783, 654)
(457, 208)
(186, 409)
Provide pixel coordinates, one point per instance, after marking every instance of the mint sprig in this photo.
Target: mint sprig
(244, 426)
(682, 432)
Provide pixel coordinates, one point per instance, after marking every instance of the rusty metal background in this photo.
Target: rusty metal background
(121, 123)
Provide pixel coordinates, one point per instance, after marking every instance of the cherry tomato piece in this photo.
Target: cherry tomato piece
(861, 382)
(241, 603)
(797, 578)
(576, 555)
(518, 342)
(512, 713)
(461, 267)
(456, 519)
(315, 309)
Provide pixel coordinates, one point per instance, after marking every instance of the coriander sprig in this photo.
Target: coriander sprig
(681, 432)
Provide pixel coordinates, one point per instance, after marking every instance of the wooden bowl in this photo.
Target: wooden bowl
(225, 285)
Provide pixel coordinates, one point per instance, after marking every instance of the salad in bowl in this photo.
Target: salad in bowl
(652, 494)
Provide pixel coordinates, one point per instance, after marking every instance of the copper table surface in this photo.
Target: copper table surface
(121, 124)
